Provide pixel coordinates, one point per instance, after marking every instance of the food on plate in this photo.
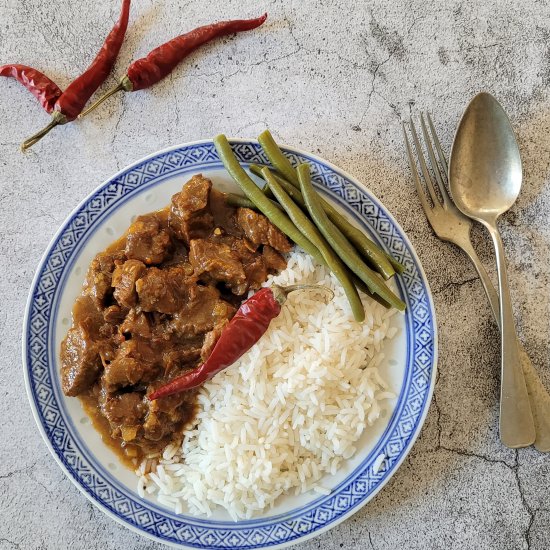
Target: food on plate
(310, 232)
(376, 258)
(243, 331)
(70, 103)
(291, 411)
(153, 306)
(161, 61)
(344, 250)
(196, 364)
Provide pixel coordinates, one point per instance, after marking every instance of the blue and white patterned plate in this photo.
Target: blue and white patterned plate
(145, 186)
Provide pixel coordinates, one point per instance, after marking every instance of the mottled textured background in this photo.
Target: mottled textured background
(335, 78)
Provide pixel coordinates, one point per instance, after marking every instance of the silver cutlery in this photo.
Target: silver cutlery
(451, 225)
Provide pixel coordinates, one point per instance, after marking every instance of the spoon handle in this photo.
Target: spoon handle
(539, 398)
(517, 428)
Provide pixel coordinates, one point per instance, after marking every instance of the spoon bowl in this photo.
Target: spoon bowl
(485, 171)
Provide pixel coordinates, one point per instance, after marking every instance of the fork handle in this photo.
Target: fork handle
(539, 397)
(488, 286)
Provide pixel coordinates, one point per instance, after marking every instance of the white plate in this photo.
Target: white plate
(148, 185)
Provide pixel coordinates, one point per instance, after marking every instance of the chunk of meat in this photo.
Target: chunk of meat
(259, 230)
(122, 409)
(218, 262)
(163, 290)
(166, 416)
(201, 313)
(135, 362)
(179, 358)
(80, 350)
(190, 217)
(256, 272)
(225, 216)
(124, 281)
(80, 360)
(211, 338)
(274, 261)
(136, 324)
(148, 239)
(114, 314)
(98, 278)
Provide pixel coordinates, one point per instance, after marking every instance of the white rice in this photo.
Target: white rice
(285, 415)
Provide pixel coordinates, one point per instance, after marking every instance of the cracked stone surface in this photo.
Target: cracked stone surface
(337, 79)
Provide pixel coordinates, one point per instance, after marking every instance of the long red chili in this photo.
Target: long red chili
(71, 102)
(242, 332)
(161, 61)
(43, 88)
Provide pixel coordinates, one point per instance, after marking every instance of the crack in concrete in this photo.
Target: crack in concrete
(370, 541)
(176, 105)
(264, 122)
(471, 454)
(14, 473)
(457, 284)
(528, 509)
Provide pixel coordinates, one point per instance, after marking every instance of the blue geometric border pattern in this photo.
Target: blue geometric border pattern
(303, 522)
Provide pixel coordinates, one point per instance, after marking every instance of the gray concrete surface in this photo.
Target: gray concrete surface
(335, 78)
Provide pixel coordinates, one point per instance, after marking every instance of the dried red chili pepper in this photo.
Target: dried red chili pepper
(242, 332)
(161, 61)
(43, 88)
(71, 102)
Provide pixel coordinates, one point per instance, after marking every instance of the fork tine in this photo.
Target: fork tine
(423, 166)
(433, 162)
(421, 194)
(440, 153)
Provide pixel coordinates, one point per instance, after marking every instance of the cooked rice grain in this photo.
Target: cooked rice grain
(288, 413)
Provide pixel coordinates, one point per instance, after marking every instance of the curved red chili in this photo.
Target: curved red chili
(43, 88)
(71, 102)
(242, 332)
(75, 97)
(161, 61)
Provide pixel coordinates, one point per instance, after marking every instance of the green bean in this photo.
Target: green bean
(365, 290)
(277, 157)
(269, 208)
(340, 244)
(310, 232)
(397, 266)
(238, 200)
(296, 195)
(383, 262)
(376, 258)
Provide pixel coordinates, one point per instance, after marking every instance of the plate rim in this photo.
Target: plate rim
(413, 438)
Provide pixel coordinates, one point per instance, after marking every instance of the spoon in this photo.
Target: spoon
(485, 175)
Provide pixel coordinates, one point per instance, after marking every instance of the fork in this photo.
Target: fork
(451, 225)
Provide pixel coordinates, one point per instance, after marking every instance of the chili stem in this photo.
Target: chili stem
(56, 120)
(104, 97)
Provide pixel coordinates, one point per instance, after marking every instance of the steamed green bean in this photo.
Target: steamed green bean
(266, 206)
(376, 258)
(310, 232)
(340, 244)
